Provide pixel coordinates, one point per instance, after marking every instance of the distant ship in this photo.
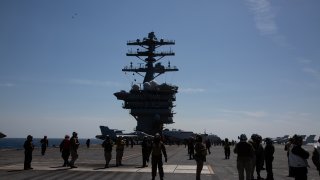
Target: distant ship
(2, 135)
(150, 103)
(177, 135)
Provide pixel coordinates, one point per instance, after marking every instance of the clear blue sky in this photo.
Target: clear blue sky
(249, 66)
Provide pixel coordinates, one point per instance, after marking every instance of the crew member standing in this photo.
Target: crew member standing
(145, 151)
(44, 144)
(288, 146)
(316, 155)
(227, 148)
(156, 156)
(253, 142)
(88, 143)
(74, 145)
(268, 157)
(259, 155)
(107, 145)
(245, 156)
(119, 150)
(200, 155)
(208, 145)
(28, 148)
(191, 148)
(298, 159)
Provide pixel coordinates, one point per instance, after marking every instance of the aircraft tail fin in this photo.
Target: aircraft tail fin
(310, 139)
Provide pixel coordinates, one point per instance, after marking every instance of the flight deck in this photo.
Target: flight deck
(91, 165)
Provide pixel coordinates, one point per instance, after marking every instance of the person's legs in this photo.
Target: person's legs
(117, 158)
(199, 169)
(120, 158)
(240, 167)
(269, 169)
(27, 160)
(74, 157)
(160, 167)
(65, 156)
(248, 168)
(154, 167)
(107, 156)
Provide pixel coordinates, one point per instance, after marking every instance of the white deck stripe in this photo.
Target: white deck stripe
(166, 168)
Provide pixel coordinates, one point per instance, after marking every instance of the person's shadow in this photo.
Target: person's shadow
(60, 168)
(16, 170)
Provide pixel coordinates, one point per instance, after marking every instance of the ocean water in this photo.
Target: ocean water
(17, 143)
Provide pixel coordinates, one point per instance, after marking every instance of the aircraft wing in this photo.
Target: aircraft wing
(102, 137)
(127, 135)
(137, 134)
(114, 133)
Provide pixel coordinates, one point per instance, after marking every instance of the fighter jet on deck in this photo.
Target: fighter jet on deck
(114, 133)
(306, 139)
(281, 140)
(310, 139)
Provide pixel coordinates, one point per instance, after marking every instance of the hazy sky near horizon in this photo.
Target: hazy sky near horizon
(248, 66)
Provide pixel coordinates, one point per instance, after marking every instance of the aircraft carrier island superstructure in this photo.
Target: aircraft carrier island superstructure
(150, 103)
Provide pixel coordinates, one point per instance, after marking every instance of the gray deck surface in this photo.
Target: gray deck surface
(91, 165)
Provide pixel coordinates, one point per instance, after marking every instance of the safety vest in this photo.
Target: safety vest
(297, 161)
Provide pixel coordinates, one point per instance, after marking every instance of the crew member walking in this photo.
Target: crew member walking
(145, 146)
(65, 150)
(200, 155)
(74, 145)
(156, 156)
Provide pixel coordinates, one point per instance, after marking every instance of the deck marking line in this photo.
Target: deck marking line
(173, 168)
(210, 169)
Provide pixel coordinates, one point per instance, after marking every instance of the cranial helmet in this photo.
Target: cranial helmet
(199, 138)
(243, 137)
(157, 138)
(268, 141)
(29, 137)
